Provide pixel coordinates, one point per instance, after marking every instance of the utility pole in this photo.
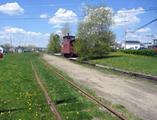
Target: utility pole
(125, 32)
(11, 42)
(125, 26)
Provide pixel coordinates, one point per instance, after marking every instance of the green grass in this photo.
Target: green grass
(19, 90)
(70, 103)
(134, 63)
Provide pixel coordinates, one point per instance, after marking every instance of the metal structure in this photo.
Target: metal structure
(67, 46)
(1, 52)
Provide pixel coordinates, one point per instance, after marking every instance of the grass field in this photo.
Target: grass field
(20, 92)
(135, 63)
(70, 103)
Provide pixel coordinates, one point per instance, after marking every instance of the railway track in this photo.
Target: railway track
(48, 98)
(92, 98)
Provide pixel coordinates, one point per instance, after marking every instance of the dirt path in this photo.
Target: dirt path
(138, 96)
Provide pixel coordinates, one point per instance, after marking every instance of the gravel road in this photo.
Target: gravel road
(137, 95)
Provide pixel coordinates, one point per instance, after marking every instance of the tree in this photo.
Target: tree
(94, 35)
(54, 43)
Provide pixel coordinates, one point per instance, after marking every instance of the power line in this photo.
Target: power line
(31, 18)
(24, 18)
(143, 26)
(40, 5)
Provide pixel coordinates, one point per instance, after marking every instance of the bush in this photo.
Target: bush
(146, 52)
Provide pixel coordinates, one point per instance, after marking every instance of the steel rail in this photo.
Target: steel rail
(48, 98)
(118, 115)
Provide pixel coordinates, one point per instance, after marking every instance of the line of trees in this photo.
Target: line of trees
(94, 36)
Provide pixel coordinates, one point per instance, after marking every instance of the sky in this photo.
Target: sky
(30, 22)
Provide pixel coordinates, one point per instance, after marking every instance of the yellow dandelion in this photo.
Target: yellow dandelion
(36, 114)
(2, 113)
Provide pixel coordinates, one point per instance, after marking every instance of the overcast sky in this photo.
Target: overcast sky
(39, 18)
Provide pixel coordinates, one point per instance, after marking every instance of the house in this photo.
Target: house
(133, 45)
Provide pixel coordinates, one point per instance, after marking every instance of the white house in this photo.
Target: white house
(134, 45)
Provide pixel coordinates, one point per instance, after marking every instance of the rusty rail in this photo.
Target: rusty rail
(49, 100)
(118, 115)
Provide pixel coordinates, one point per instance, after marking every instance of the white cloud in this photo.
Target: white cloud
(58, 26)
(59, 32)
(144, 30)
(127, 16)
(13, 30)
(155, 36)
(44, 16)
(11, 8)
(132, 36)
(63, 16)
(140, 35)
(23, 37)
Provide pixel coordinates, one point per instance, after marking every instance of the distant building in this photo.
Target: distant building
(19, 49)
(155, 42)
(1, 50)
(12, 50)
(154, 46)
(133, 45)
(147, 45)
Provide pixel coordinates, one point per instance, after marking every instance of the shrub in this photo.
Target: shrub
(146, 52)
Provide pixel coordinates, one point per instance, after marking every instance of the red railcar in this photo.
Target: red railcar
(67, 46)
(1, 55)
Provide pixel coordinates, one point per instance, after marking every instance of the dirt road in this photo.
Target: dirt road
(138, 96)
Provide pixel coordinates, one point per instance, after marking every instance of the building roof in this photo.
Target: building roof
(132, 42)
